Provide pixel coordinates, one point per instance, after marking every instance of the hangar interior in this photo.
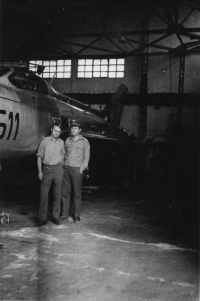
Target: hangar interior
(139, 235)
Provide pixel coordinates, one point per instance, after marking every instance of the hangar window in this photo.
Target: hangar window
(61, 68)
(105, 68)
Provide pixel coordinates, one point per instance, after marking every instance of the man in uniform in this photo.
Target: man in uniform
(76, 160)
(50, 157)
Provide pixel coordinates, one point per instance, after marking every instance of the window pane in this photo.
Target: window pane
(52, 63)
(112, 61)
(88, 74)
(59, 75)
(112, 68)
(96, 68)
(32, 66)
(120, 61)
(81, 62)
(51, 74)
(104, 62)
(68, 62)
(104, 68)
(53, 69)
(96, 74)
(60, 62)
(81, 68)
(89, 62)
(39, 62)
(66, 75)
(46, 69)
(96, 62)
(60, 68)
(46, 63)
(88, 68)
(68, 68)
(120, 68)
(120, 74)
(104, 74)
(45, 75)
(112, 74)
(80, 74)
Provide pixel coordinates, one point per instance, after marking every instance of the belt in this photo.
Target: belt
(49, 165)
(64, 165)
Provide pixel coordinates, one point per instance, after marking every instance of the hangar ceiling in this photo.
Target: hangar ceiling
(50, 28)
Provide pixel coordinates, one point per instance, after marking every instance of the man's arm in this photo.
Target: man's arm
(39, 164)
(40, 155)
(63, 153)
(86, 157)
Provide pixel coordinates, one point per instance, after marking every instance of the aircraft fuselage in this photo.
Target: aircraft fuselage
(28, 105)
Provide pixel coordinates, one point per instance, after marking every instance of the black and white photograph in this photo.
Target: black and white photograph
(99, 150)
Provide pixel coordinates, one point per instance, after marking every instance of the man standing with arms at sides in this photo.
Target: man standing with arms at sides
(50, 158)
(76, 160)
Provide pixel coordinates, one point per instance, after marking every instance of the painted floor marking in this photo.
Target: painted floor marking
(17, 266)
(29, 233)
(115, 217)
(162, 246)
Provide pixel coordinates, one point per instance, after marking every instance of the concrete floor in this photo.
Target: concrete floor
(124, 248)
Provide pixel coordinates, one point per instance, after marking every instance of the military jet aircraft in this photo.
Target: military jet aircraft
(29, 105)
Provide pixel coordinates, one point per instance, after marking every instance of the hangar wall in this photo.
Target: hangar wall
(103, 28)
(165, 152)
(160, 120)
(163, 67)
(163, 77)
(101, 85)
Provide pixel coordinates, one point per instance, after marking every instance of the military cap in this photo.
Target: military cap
(74, 123)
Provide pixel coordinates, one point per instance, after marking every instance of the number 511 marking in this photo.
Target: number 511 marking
(4, 125)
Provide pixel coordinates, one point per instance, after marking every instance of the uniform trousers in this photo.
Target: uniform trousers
(72, 181)
(51, 173)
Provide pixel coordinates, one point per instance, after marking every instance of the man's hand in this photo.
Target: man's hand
(40, 174)
(81, 169)
(39, 164)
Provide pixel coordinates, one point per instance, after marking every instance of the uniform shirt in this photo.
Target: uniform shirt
(77, 152)
(52, 152)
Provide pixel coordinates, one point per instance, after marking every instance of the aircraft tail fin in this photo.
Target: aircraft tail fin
(114, 108)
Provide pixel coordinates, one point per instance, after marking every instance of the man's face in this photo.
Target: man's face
(75, 130)
(55, 132)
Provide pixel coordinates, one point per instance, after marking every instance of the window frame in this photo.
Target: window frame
(65, 66)
(105, 66)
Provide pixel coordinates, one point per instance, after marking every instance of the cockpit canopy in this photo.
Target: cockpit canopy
(28, 81)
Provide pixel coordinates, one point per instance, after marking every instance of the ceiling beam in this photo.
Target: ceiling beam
(128, 33)
(150, 44)
(172, 24)
(91, 47)
(190, 5)
(146, 45)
